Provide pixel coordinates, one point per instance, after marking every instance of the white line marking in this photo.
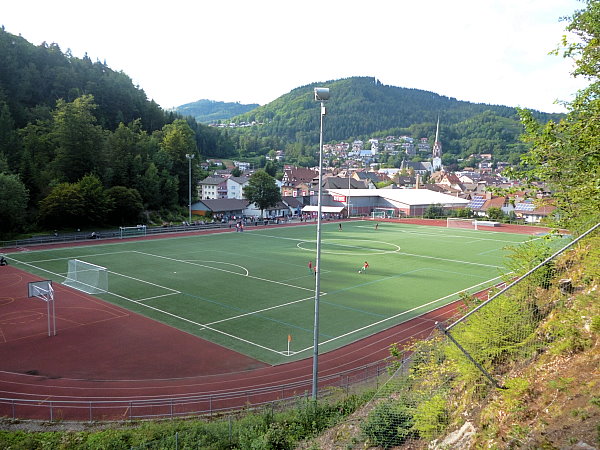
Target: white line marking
(450, 260)
(146, 282)
(370, 251)
(156, 296)
(202, 326)
(401, 314)
(224, 270)
(262, 310)
(219, 262)
(77, 257)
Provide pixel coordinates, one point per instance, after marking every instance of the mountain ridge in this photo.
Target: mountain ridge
(211, 111)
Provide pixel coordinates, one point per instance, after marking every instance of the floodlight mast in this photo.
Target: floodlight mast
(321, 95)
(189, 157)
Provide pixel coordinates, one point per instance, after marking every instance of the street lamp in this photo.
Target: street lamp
(189, 157)
(348, 197)
(321, 95)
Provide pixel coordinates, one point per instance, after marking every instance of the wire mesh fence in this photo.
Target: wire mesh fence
(473, 353)
(207, 404)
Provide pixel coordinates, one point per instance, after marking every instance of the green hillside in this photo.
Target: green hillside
(210, 111)
(363, 107)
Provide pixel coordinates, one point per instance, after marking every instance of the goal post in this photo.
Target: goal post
(87, 277)
(459, 222)
(139, 230)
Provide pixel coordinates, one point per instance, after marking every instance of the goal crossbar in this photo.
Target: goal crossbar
(459, 222)
(139, 230)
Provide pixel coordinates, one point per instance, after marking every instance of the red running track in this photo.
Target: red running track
(109, 363)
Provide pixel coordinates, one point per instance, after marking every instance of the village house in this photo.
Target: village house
(235, 186)
(212, 188)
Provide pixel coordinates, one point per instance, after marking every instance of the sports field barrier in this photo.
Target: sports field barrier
(474, 353)
(209, 404)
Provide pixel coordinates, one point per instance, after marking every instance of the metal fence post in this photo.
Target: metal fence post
(466, 353)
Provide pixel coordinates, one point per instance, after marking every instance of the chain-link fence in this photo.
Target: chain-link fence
(472, 354)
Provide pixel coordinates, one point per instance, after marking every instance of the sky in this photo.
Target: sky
(254, 51)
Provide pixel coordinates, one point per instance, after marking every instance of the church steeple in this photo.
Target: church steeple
(436, 163)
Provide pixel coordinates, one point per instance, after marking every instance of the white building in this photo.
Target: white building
(235, 187)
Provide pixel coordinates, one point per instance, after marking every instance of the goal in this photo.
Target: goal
(87, 277)
(382, 213)
(457, 222)
(139, 230)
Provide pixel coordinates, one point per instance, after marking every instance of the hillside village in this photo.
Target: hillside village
(354, 185)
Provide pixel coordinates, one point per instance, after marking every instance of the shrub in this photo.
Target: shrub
(389, 424)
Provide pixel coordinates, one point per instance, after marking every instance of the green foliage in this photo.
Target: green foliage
(13, 203)
(210, 111)
(266, 429)
(96, 203)
(515, 394)
(389, 424)
(561, 384)
(63, 207)
(101, 125)
(496, 336)
(434, 212)
(463, 212)
(595, 327)
(495, 214)
(262, 190)
(364, 107)
(126, 205)
(568, 335)
(79, 142)
(566, 154)
(526, 256)
(431, 417)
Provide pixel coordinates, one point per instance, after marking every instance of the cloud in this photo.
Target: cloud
(253, 52)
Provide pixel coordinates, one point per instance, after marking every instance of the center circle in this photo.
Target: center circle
(351, 249)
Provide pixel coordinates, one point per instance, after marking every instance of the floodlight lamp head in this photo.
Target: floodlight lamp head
(321, 94)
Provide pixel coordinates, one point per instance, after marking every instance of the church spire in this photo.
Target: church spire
(437, 149)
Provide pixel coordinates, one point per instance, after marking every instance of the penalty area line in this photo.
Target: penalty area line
(201, 326)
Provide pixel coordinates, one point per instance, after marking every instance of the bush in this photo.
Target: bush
(389, 424)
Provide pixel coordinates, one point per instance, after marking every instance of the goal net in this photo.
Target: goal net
(457, 222)
(382, 213)
(139, 230)
(87, 277)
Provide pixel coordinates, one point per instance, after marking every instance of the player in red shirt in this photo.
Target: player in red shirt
(364, 267)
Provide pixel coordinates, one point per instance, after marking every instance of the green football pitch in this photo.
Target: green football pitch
(253, 291)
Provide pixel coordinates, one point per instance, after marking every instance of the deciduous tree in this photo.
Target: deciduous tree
(566, 154)
(13, 203)
(262, 190)
(79, 141)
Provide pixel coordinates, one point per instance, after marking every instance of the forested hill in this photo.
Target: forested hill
(210, 111)
(363, 107)
(81, 146)
(33, 78)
